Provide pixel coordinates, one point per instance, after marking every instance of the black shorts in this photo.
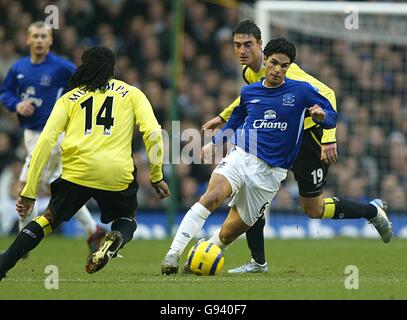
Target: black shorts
(67, 198)
(309, 170)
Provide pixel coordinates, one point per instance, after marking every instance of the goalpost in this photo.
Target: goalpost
(360, 50)
(336, 18)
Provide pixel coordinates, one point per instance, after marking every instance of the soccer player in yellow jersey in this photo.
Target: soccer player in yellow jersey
(98, 117)
(30, 89)
(311, 166)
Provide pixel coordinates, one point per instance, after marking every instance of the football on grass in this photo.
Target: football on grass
(205, 258)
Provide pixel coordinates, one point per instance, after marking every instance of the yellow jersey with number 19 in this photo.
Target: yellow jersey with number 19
(96, 149)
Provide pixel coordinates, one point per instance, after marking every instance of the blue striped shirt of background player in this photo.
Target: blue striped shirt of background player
(42, 84)
(270, 121)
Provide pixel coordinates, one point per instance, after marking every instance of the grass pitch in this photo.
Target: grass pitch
(298, 269)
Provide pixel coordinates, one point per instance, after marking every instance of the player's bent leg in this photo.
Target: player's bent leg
(374, 212)
(218, 190)
(250, 267)
(120, 208)
(313, 206)
(232, 228)
(255, 241)
(22, 222)
(190, 225)
(257, 264)
(26, 240)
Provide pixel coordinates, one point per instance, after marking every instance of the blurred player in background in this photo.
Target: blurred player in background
(98, 117)
(310, 169)
(30, 89)
(252, 175)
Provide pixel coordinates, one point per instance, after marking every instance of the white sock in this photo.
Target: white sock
(216, 240)
(191, 224)
(85, 218)
(29, 217)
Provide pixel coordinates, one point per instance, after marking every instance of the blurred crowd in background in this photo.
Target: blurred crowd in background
(370, 81)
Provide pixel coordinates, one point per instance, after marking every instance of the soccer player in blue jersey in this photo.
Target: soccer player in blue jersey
(30, 89)
(252, 175)
(318, 151)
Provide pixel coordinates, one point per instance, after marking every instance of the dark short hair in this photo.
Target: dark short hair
(96, 70)
(248, 27)
(280, 45)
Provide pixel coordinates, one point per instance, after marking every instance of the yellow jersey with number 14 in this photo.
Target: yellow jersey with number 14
(96, 149)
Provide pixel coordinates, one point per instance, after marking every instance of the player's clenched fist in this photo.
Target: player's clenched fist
(317, 113)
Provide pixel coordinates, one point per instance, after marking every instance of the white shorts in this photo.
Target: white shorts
(254, 183)
(53, 168)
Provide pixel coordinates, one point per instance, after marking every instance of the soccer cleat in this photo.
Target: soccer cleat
(170, 264)
(96, 238)
(250, 267)
(108, 250)
(381, 222)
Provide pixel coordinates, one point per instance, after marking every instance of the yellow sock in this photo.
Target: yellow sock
(45, 224)
(329, 208)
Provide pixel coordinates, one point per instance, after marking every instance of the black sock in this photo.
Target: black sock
(126, 226)
(346, 209)
(26, 240)
(255, 240)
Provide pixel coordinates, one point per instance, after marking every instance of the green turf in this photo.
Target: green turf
(299, 269)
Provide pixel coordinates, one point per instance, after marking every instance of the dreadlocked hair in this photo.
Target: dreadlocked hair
(96, 70)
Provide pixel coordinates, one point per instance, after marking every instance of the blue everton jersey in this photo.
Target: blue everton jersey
(41, 83)
(270, 121)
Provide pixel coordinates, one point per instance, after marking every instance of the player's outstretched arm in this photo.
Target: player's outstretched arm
(213, 123)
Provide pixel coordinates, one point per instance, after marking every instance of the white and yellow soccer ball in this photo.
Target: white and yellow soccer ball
(205, 258)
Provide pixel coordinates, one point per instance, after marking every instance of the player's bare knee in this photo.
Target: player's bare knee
(211, 200)
(314, 212)
(226, 237)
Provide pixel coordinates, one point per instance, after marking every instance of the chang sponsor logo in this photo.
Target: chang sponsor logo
(29, 95)
(266, 124)
(270, 115)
